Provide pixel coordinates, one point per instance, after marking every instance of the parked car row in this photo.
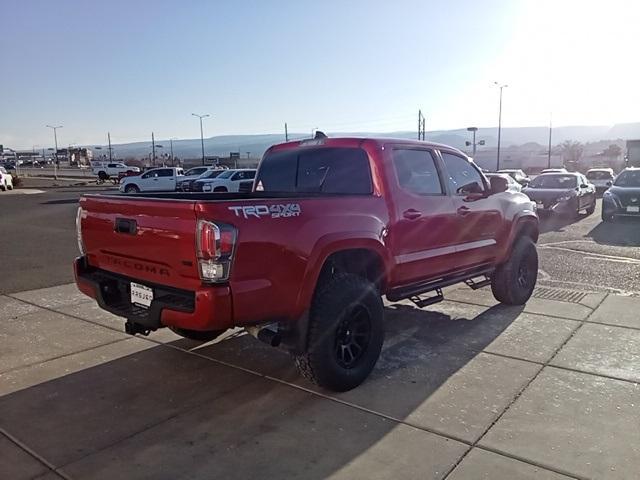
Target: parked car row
(197, 179)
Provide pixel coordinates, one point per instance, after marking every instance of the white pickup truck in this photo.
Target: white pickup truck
(109, 170)
(163, 179)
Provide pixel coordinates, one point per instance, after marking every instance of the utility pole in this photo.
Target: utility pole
(550, 130)
(201, 132)
(286, 132)
(499, 123)
(422, 124)
(248, 154)
(153, 150)
(109, 138)
(171, 147)
(55, 156)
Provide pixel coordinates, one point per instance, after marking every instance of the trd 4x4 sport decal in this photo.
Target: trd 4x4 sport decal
(273, 211)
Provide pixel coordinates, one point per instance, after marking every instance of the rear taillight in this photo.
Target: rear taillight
(79, 230)
(215, 247)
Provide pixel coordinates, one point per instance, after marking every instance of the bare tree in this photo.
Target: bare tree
(571, 151)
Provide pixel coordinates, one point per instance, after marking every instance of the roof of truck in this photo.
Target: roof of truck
(337, 141)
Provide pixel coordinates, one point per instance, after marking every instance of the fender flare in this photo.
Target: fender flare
(330, 244)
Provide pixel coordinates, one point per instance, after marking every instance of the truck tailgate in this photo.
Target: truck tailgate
(147, 240)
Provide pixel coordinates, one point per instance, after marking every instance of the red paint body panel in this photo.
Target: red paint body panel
(277, 261)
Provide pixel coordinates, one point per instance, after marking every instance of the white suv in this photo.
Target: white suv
(230, 181)
(601, 178)
(6, 180)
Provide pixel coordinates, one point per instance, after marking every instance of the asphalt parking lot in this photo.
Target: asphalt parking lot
(464, 389)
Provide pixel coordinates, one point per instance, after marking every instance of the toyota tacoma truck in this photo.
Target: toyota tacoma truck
(303, 260)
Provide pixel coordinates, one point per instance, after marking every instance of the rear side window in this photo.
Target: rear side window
(327, 170)
(417, 172)
(165, 172)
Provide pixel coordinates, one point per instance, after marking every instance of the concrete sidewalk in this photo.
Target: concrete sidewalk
(465, 389)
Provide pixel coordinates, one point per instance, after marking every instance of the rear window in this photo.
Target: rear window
(599, 175)
(327, 170)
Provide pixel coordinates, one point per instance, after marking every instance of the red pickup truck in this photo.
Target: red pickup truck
(302, 261)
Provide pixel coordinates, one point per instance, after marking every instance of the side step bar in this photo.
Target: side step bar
(413, 292)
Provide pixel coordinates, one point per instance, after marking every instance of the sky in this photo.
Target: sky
(131, 67)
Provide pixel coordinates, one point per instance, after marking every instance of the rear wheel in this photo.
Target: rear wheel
(131, 189)
(592, 207)
(198, 335)
(513, 281)
(346, 331)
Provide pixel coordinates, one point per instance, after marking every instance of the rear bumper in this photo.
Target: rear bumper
(208, 308)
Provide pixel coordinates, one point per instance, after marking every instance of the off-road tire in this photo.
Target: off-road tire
(513, 281)
(198, 335)
(131, 189)
(347, 308)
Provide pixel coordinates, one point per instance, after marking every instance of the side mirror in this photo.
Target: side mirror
(499, 184)
(471, 188)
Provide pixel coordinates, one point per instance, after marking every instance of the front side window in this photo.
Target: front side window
(152, 174)
(416, 171)
(462, 174)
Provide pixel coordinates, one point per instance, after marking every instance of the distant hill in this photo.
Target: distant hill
(257, 144)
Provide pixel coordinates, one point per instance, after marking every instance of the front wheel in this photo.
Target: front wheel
(346, 331)
(513, 282)
(131, 189)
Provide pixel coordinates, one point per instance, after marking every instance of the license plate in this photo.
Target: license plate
(633, 209)
(141, 295)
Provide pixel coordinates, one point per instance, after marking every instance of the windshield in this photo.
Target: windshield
(555, 181)
(599, 175)
(628, 179)
(196, 171)
(225, 174)
(211, 174)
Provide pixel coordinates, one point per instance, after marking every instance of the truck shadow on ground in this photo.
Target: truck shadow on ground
(623, 232)
(557, 223)
(169, 411)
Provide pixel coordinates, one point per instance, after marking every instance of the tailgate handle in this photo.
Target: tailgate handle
(126, 225)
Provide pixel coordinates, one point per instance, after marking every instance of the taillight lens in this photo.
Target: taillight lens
(79, 215)
(215, 248)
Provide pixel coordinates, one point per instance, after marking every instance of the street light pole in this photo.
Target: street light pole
(201, 132)
(550, 130)
(171, 147)
(153, 150)
(55, 156)
(499, 123)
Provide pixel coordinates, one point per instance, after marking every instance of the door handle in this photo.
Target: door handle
(463, 211)
(411, 214)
